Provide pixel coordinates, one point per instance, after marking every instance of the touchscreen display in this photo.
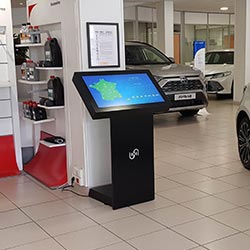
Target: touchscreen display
(122, 89)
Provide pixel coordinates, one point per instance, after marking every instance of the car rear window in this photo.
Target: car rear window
(220, 58)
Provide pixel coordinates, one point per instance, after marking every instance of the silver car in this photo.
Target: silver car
(185, 87)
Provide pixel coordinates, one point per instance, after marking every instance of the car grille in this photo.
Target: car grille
(173, 86)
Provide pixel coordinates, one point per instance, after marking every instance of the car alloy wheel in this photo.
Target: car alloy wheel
(244, 142)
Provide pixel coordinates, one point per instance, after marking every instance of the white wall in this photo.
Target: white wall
(195, 18)
(218, 19)
(19, 16)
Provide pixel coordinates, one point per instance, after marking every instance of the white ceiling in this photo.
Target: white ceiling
(185, 5)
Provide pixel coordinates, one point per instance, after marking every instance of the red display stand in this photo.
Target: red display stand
(48, 165)
(8, 165)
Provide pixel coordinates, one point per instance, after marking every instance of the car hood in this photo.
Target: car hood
(172, 70)
(218, 68)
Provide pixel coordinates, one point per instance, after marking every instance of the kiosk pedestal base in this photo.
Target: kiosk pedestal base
(132, 162)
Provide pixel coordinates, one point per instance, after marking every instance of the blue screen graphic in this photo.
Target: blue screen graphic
(122, 90)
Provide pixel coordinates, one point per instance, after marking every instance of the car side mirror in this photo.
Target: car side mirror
(172, 60)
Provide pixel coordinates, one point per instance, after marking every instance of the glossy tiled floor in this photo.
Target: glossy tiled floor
(202, 198)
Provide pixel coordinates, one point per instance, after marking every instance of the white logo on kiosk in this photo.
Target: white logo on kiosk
(134, 154)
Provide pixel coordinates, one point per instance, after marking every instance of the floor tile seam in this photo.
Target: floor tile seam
(213, 193)
(224, 224)
(123, 240)
(10, 201)
(42, 185)
(128, 239)
(194, 248)
(206, 195)
(166, 227)
(215, 164)
(234, 184)
(46, 233)
(175, 165)
(35, 204)
(17, 225)
(244, 232)
(187, 186)
(126, 242)
(204, 244)
(231, 201)
(46, 202)
(148, 211)
(26, 244)
(8, 210)
(226, 210)
(194, 171)
(113, 220)
(241, 231)
(52, 217)
(217, 178)
(224, 238)
(71, 232)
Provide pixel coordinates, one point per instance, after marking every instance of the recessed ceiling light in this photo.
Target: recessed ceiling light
(224, 8)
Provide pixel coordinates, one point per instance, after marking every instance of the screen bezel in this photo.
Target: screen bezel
(107, 112)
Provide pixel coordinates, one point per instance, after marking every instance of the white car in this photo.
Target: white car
(243, 128)
(219, 71)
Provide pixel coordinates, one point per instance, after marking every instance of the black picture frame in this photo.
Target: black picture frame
(97, 51)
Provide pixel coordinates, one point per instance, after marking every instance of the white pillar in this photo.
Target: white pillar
(88, 145)
(165, 26)
(242, 49)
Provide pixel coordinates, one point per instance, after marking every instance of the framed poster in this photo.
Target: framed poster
(103, 45)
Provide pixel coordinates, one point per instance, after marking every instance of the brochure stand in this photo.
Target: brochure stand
(132, 154)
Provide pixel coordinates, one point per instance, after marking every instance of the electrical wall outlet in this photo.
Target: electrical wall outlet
(79, 176)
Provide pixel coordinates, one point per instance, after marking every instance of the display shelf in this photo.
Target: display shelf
(51, 107)
(52, 145)
(4, 84)
(49, 68)
(29, 45)
(39, 122)
(32, 82)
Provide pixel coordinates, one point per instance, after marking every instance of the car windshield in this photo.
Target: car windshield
(220, 57)
(143, 55)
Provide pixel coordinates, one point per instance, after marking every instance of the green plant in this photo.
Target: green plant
(21, 52)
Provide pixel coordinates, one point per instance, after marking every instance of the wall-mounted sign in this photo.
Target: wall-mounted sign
(103, 45)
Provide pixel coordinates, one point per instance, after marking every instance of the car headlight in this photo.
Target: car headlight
(220, 75)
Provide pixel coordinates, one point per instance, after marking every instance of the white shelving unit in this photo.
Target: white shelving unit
(39, 122)
(51, 108)
(32, 82)
(49, 68)
(29, 45)
(4, 84)
(52, 145)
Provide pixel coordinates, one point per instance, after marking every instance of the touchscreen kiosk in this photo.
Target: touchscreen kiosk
(106, 93)
(129, 99)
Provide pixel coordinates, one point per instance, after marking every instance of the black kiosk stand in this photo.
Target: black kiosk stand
(129, 99)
